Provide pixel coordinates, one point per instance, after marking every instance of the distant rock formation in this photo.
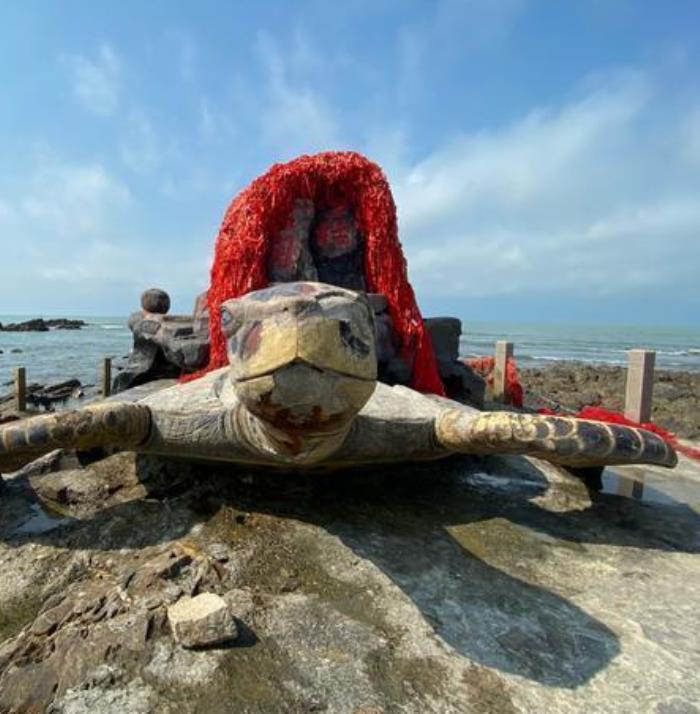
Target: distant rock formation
(40, 325)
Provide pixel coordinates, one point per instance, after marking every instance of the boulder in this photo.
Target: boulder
(164, 346)
(461, 382)
(202, 621)
(155, 300)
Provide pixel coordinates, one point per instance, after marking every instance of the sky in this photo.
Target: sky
(544, 155)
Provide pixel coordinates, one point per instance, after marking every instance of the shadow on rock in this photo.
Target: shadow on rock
(403, 523)
(442, 532)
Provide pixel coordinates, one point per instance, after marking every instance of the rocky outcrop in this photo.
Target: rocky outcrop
(164, 345)
(64, 324)
(46, 397)
(573, 385)
(460, 380)
(41, 325)
(37, 325)
(486, 585)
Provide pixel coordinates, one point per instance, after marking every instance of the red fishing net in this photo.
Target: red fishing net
(484, 367)
(328, 179)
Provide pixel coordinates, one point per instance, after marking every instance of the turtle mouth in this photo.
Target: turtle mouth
(301, 362)
(300, 397)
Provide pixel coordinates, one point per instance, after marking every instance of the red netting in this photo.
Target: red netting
(331, 178)
(484, 367)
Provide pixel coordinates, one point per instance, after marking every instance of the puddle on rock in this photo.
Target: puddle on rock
(40, 520)
(652, 486)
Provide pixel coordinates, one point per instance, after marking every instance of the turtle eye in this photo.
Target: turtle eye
(230, 322)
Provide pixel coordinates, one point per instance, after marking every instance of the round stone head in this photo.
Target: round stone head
(302, 355)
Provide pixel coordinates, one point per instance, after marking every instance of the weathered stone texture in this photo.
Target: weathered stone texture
(202, 621)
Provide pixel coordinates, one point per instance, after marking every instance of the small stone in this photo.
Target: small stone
(220, 552)
(156, 301)
(202, 621)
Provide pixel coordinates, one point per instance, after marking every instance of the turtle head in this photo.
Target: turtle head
(302, 355)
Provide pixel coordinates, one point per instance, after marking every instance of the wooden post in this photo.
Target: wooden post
(106, 376)
(20, 389)
(504, 350)
(640, 384)
(630, 487)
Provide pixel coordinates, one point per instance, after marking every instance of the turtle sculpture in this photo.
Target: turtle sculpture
(300, 391)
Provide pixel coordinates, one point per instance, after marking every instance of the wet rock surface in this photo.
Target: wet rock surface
(46, 397)
(490, 585)
(574, 385)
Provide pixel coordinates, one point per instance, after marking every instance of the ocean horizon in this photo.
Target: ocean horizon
(58, 355)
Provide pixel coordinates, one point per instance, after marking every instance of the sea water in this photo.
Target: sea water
(676, 348)
(57, 355)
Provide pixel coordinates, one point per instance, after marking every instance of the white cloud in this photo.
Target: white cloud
(589, 198)
(95, 82)
(295, 118)
(71, 201)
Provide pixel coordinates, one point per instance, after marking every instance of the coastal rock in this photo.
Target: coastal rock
(573, 385)
(45, 396)
(165, 346)
(202, 621)
(41, 325)
(63, 324)
(37, 325)
(494, 584)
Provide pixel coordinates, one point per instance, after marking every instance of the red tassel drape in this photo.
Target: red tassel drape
(262, 209)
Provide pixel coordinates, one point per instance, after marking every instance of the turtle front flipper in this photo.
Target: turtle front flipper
(107, 424)
(562, 440)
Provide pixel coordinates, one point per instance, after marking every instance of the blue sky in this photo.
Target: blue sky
(544, 156)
